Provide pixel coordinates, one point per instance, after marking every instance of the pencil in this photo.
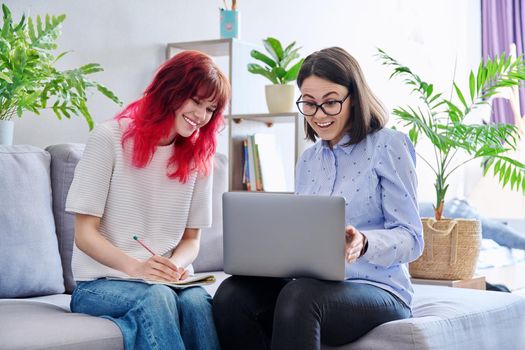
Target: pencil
(234, 5)
(142, 244)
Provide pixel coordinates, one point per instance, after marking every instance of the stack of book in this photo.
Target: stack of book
(263, 168)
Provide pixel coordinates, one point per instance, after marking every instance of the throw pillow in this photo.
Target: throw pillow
(28, 250)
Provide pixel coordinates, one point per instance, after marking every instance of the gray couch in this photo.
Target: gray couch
(36, 239)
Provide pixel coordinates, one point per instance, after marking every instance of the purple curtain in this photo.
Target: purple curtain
(503, 24)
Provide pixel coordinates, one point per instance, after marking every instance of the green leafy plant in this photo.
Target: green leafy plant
(443, 122)
(28, 79)
(275, 67)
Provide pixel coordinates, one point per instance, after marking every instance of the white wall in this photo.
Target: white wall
(127, 37)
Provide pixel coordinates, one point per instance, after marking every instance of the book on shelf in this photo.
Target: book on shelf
(270, 163)
(246, 168)
(191, 281)
(257, 163)
(251, 164)
(263, 168)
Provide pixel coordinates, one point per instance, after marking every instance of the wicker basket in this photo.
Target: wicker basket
(451, 249)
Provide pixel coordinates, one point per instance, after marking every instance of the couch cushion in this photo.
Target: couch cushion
(452, 319)
(445, 318)
(29, 257)
(211, 252)
(64, 159)
(30, 324)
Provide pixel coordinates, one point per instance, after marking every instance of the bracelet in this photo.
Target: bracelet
(365, 245)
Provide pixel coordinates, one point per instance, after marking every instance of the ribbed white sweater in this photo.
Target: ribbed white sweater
(133, 201)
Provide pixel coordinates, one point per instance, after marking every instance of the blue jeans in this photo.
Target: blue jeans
(151, 316)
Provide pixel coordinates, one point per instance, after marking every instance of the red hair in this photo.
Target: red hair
(186, 75)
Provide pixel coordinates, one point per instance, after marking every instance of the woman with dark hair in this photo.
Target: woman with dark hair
(373, 168)
(148, 173)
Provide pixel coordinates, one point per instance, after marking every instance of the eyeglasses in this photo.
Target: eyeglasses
(332, 107)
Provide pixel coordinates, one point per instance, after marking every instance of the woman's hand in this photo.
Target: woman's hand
(160, 269)
(355, 244)
(183, 273)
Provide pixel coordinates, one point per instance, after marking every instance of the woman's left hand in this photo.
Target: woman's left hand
(355, 244)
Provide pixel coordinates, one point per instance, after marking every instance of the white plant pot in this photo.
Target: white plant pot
(280, 98)
(6, 132)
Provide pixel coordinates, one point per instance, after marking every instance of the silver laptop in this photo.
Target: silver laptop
(284, 235)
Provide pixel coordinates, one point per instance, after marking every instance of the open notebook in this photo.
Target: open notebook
(191, 281)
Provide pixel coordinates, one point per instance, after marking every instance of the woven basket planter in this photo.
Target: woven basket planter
(451, 249)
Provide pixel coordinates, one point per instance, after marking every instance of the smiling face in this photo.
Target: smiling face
(317, 90)
(194, 114)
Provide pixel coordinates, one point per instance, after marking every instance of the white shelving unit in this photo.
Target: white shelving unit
(286, 127)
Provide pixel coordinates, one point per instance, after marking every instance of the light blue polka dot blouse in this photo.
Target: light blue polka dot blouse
(377, 179)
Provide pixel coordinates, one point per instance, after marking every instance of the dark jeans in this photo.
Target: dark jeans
(263, 313)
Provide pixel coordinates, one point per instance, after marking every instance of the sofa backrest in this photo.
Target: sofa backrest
(64, 159)
(210, 256)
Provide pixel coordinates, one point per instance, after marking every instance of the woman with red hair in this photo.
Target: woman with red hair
(147, 173)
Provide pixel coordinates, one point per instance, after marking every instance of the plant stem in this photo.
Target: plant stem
(441, 186)
(459, 165)
(451, 158)
(438, 212)
(426, 161)
(441, 191)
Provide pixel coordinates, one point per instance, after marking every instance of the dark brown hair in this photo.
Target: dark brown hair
(367, 114)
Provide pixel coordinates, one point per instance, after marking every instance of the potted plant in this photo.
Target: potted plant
(280, 94)
(452, 246)
(29, 80)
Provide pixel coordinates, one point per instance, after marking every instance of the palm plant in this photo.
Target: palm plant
(443, 123)
(276, 67)
(28, 78)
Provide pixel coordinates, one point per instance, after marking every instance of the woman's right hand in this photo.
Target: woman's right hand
(157, 268)
(90, 241)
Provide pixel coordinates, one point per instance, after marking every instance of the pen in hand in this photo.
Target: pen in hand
(181, 272)
(142, 244)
